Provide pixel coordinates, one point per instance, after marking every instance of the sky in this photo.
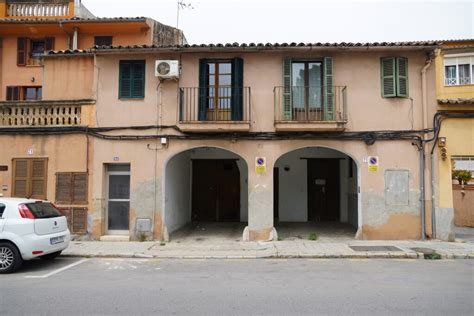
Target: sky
(246, 21)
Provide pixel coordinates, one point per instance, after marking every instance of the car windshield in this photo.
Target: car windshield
(43, 210)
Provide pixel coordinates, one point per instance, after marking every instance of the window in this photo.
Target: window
(394, 77)
(132, 79)
(458, 70)
(24, 93)
(463, 163)
(29, 178)
(13, 93)
(308, 92)
(29, 50)
(103, 40)
(71, 188)
(221, 90)
(2, 209)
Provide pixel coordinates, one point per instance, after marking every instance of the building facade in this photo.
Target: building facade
(262, 134)
(455, 147)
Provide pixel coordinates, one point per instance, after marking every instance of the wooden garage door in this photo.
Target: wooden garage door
(30, 178)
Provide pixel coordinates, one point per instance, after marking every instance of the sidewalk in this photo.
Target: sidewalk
(274, 249)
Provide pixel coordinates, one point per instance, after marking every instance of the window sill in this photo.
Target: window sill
(131, 99)
(460, 85)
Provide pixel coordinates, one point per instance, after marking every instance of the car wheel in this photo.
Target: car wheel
(51, 256)
(10, 258)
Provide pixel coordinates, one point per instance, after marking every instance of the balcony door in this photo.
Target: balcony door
(307, 90)
(221, 90)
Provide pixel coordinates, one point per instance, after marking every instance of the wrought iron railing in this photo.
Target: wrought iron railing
(39, 115)
(41, 8)
(310, 103)
(222, 104)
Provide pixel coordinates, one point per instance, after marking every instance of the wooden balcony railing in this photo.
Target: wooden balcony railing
(42, 9)
(310, 104)
(39, 114)
(214, 105)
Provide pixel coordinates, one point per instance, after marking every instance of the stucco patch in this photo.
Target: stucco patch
(375, 212)
(397, 226)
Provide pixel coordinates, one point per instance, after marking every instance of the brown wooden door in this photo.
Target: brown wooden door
(323, 189)
(216, 190)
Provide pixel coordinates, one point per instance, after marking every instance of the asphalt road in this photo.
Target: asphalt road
(76, 286)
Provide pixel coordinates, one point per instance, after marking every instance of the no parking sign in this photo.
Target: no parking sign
(373, 163)
(260, 165)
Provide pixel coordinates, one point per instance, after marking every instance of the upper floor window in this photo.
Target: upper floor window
(394, 77)
(458, 70)
(132, 79)
(29, 50)
(308, 91)
(103, 40)
(17, 93)
(221, 90)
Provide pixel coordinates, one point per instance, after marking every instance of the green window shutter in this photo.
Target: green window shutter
(138, 79)
(125, 79)
(328, 89)
(387, 77)
(132, 79)
(203, 79)
(402, 77)
(237, 89)
(287, 104)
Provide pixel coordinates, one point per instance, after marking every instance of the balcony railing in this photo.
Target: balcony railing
(43, 8)
(217, 105)
(302, 104)
(22, 115)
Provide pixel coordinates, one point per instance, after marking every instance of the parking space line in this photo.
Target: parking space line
(56, 271)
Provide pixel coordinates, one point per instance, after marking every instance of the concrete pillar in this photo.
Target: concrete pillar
(260, 217)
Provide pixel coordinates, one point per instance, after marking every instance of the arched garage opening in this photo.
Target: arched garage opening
(316, 193)
(205, 195)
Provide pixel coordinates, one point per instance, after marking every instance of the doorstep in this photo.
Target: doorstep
(114, 238)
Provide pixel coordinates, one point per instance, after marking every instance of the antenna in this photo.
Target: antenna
(182, 5)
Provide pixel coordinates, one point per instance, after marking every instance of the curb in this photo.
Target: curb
(272, 256)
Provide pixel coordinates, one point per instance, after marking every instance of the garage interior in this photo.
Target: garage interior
(317, 193)
(206, 195)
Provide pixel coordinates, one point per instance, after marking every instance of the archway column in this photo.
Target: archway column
(260, 217)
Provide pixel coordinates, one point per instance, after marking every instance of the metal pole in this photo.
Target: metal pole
(421, 149)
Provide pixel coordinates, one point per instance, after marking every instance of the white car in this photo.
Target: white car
(30, 229)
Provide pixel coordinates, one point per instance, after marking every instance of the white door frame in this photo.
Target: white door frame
(112, 231)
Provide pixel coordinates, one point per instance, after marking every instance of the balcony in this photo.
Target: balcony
(44, 113)
(44, 8)
(222, 109)
(310, 108)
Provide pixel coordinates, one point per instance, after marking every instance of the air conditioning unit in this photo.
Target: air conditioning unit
(167, 69)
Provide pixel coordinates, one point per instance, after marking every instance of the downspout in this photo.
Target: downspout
(68, 35)
(424, 103)
(74, 38)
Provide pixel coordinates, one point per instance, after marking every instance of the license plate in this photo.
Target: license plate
(57, 240)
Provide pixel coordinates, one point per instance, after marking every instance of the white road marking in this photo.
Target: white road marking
(56, 271)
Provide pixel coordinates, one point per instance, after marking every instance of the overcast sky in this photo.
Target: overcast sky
(227, 21)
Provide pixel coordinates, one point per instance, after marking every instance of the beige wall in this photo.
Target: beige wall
(359, 71)
(65, 153)
(68, 78)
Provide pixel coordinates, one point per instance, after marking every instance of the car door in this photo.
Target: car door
(2, 216)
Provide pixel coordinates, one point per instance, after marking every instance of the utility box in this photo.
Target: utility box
(143, 225)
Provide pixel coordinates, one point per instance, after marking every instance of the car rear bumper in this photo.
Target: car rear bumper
(41, 244)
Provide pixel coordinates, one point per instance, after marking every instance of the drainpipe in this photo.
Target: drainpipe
(61, 26)
(74, 38)
(421, 150)
(424, 103)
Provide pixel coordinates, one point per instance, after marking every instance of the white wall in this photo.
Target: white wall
(178, 192)
(293, 197)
